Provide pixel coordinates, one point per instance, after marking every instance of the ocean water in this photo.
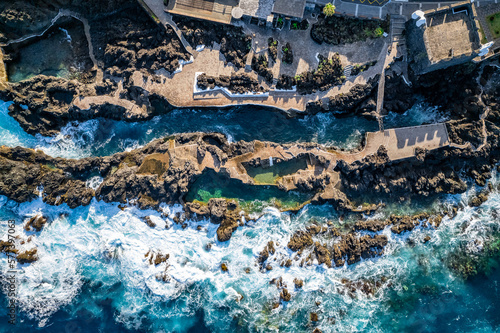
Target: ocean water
(102, 137)
(93, 276)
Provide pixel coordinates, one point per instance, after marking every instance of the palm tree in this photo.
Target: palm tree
(329, 9)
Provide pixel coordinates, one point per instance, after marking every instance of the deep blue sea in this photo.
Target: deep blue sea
(92, 274)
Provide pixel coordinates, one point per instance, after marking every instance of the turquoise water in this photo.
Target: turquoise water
(93, 276)
(102, 137)
(34, 58)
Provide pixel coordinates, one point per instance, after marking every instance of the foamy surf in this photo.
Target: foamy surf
(76, 247)
(92, 259)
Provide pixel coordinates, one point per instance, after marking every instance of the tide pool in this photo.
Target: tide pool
(94, 275)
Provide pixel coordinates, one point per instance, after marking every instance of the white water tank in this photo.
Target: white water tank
(485, 49)
(419, 16)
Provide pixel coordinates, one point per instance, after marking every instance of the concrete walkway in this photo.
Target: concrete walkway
(22, 39)
(404, 8)
(179, 89)
(381, 87)
(305, 49)
(400, 144)
(158, 9)
(3, 73)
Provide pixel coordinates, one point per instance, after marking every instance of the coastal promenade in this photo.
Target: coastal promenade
(315, 160)
(403, 8)
(157, 8)
(180, 88)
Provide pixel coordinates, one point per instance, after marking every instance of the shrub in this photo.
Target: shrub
(273, 48)
(287, 54)
(379, 32)
(342, 30)
(329, 9)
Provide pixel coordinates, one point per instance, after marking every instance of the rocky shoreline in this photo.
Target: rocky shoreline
(132, 48)
(163, 170)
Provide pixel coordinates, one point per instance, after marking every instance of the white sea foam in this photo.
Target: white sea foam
(68, 36)
(102, 243)
(94, 182)
(74, 141)
(80, 245)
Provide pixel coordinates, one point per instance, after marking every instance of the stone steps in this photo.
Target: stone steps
(347, 70)
(397, 28)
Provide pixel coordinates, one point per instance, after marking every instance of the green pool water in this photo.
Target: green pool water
(253, 197)
(270, 174)
(62, 52)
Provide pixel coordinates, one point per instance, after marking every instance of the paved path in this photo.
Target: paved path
(381, 87)
(305, 49)
(3, 73)
(21, 39)
(86, 28)
(179, 88)
(394, 7)
(158, 9)
(400, 144)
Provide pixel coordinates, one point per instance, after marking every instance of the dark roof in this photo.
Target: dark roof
(292, 8)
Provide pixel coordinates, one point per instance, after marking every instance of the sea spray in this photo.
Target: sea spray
(100, 137)
(76, 246)
(92, 260)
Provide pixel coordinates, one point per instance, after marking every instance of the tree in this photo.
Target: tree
(329, 9)
(379, 32)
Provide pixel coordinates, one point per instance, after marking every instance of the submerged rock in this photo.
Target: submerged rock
(28, 256)
(149, 222)
(300, 240)
(298, 283)
(285, 295)
(36, 222)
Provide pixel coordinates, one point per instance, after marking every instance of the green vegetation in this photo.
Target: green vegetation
(302, 25)
(279, 23)
(260, 65)
(494, 24)
(482, 34)
(378, 32)
(357, 69)
(273, 48)
(329, 9)
(328, 74)
(343, 30)
(287, 54)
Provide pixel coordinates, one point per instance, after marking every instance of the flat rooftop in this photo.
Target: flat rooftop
(449, 35)
(292, 8)
(257, 8)
(211, 10)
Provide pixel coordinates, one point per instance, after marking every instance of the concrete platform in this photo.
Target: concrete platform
(403, 141)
